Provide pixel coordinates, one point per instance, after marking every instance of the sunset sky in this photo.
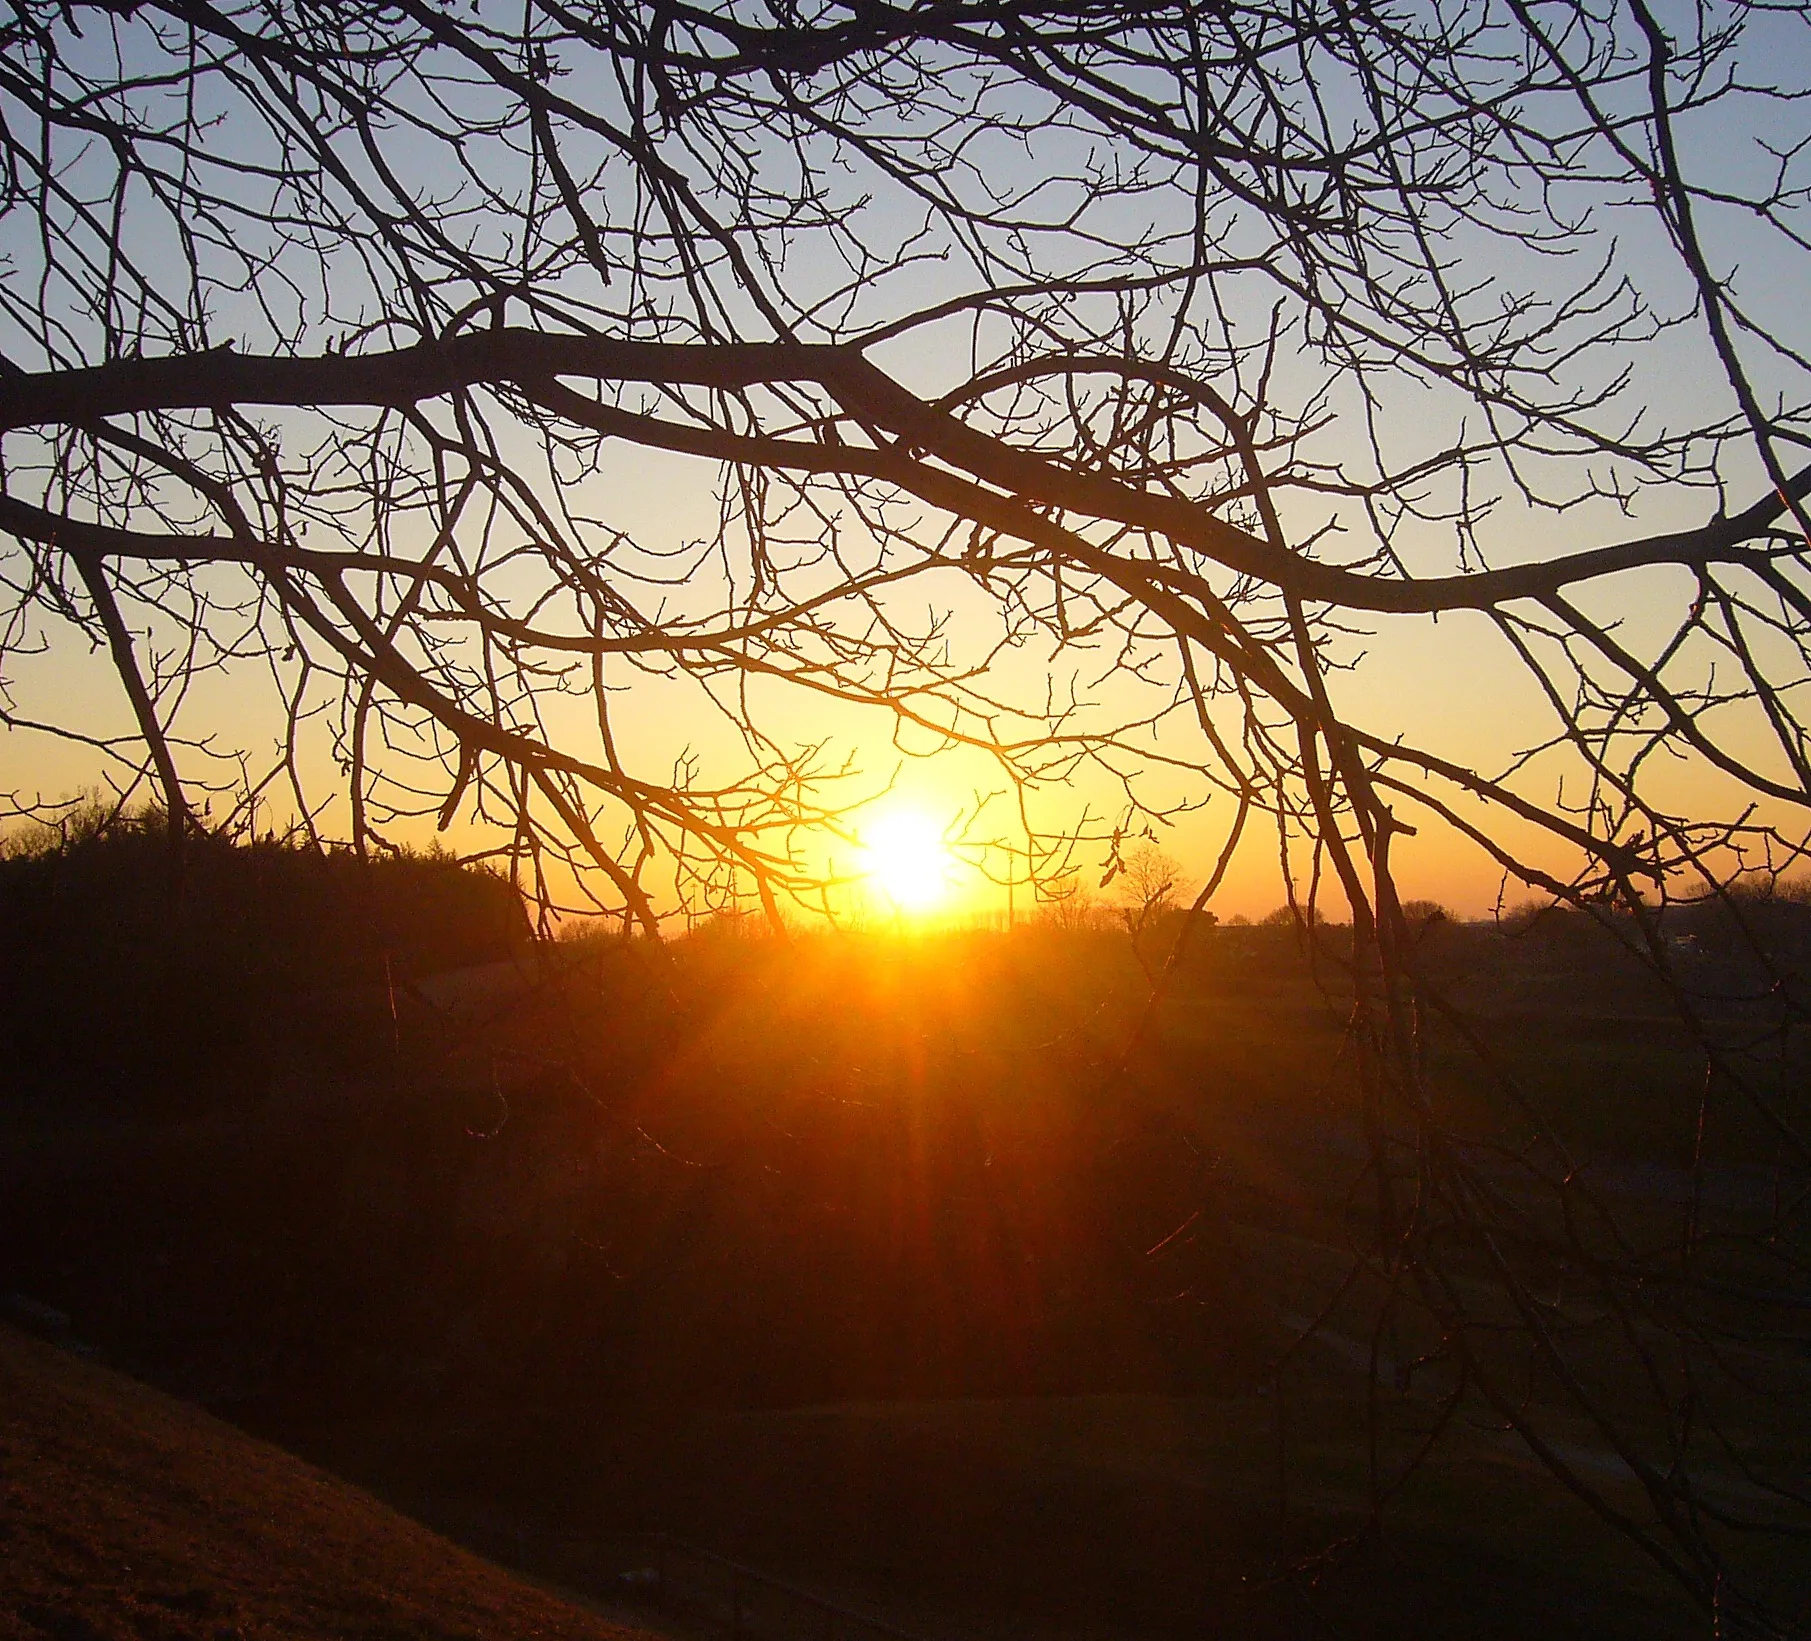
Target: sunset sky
(1451, 685)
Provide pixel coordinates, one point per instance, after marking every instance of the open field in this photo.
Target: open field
(1105, 1517)
(859, 1262)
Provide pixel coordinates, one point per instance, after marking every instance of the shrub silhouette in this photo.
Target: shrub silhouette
(115, 970)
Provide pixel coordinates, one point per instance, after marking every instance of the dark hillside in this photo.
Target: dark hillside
(125, 1516)
(554, 1215)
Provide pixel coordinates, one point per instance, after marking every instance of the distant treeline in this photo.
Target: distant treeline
(120, 961)
(1749, 917)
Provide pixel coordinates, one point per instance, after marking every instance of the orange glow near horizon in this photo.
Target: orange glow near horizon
(907, 859)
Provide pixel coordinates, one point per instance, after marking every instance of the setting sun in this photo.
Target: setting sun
(908, 860)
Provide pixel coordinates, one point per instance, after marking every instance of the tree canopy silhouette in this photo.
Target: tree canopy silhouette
(1078, 383)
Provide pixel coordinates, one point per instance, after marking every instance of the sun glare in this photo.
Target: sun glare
(907, 860)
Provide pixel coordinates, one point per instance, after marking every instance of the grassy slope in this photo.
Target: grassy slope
(126, 1514)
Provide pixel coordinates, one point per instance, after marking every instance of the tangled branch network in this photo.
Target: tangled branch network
(1109, 391)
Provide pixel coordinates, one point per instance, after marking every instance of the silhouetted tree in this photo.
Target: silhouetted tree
(1178, 346)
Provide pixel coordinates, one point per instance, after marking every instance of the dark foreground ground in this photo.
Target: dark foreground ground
(1093, 1518)
(887, 1269)
(128, 1516)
